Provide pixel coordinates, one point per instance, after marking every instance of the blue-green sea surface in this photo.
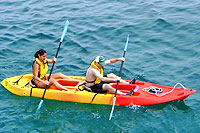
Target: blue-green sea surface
(164, 49)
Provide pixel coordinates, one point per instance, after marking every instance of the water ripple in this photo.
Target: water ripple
(40, 36)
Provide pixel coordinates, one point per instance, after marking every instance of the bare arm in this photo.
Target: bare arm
(114, 60)
(52, 60)
(105, 79)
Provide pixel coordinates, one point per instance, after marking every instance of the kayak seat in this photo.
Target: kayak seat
(82, 87)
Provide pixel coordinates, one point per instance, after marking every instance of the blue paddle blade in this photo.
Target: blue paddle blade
(125, 48)
(113, 107)
(65, 30)
(39, 106)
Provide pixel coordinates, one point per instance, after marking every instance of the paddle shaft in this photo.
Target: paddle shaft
(51, 70)
(63, 35)
(120, 73)
(114, 99)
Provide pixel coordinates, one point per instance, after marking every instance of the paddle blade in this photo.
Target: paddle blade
(39, 106)
(113, 107)
(65, 30)
(125, 48)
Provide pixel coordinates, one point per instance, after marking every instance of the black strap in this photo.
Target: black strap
(90, 81)
(81, 85)
(84, 87)
(16, 82)
(31, 87)
(31, 91)
(93, 97)
(25, 85)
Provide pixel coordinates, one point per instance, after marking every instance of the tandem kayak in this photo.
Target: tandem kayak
(145, 93)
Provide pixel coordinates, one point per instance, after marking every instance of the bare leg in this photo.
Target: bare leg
(40, 84)
(52, 82)
(61, 76)
(57, 85)
(111, 89)
(113, 76)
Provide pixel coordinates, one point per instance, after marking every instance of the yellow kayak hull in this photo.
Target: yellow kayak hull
(74, 96)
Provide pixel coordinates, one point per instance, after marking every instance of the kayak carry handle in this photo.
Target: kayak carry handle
(180, 85)
(162, 94)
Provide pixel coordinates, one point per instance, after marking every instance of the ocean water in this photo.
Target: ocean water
(164, 49)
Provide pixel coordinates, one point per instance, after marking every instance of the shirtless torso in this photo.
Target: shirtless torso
(92, 74)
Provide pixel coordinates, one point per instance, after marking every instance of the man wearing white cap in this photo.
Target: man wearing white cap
(95, 79)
